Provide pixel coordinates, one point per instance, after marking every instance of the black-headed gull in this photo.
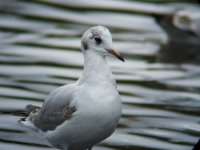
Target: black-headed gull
(77, 116)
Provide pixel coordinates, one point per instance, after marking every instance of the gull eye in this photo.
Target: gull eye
(97, 39)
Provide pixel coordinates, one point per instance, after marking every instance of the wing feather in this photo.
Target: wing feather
(56, 109)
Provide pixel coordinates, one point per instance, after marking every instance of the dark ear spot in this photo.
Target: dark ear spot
(85, 45)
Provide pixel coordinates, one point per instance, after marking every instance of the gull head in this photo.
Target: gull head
(99, 40)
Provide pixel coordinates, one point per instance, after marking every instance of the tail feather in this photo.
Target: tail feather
(24, 114)
(28, 121)
(21, 114)
(27, 116)
(31, 108)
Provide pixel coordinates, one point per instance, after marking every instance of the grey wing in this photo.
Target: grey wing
(56, 109)
(31, 108)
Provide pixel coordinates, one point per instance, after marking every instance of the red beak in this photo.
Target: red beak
(116, 54)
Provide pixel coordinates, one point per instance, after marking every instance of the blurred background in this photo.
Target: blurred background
(159, 83)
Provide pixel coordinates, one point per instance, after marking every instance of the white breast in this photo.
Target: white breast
(98, 112)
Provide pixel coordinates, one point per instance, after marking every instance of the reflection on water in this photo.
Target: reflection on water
(40, 51)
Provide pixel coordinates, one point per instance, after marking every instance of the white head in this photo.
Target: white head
(99, 39)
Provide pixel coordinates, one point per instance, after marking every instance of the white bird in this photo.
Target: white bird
(77, 116)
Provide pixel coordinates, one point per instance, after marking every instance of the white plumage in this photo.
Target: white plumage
(78, 116)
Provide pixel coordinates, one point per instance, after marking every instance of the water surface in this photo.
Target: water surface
(40, 51)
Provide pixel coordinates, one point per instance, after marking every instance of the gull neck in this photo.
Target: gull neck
(95, 68)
